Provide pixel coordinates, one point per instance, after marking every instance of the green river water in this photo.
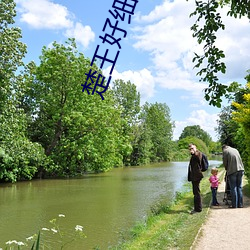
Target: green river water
(104, 204)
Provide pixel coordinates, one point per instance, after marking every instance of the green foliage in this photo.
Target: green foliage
(242, 117)
(142, 145)
(215, 147)
(238, 8)
(157, 122)
(227, 127)
(201, 146)
(128, 101)
(49, 127)
(210, 18)
(233, 123)
(181, 154)
(20, 158)
(36, 243)
(196, 131)
(12, 50)
(79, 132)
(170, 226)
(207, 24)
(149, 132)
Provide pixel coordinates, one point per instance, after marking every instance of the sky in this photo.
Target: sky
(156, 49)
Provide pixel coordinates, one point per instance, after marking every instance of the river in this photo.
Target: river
(104, 204)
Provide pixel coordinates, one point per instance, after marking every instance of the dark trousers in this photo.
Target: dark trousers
(197, 196)
(214, 196)
(235, 182)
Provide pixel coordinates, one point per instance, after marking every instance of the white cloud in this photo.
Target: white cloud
(234, 41)
(165, 33)
(143, 80)
(44, 14)
(83, 34)
(207, 122)
(170, 42)
(160, 11)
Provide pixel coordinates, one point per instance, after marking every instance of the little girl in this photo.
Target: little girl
(214, 185)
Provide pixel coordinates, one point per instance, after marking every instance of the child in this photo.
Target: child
(214, 185)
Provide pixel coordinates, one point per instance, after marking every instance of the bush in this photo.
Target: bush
(20, 160)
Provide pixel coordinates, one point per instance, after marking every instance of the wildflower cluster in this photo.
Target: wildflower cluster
(40, 239)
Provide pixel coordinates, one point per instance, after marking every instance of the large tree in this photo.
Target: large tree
(128, 100)
(196, 131)
(79, 131)
(127, 96)
(211, 63)
(184, 142)
(227, 127)
(157, 122)
(229, 130)
(12, 51)
(241, 115)
(19, 158)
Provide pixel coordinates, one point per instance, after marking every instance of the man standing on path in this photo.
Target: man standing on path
(195, 175)
(235, 169)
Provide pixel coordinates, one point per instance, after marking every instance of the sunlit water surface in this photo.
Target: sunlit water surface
(104, 204)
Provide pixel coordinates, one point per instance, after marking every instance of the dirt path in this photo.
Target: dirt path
(225, 228)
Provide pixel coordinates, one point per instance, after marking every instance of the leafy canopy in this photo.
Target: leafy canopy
(196, 131)
(205, 28)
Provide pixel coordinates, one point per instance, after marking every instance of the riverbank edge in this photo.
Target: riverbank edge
(171, 226)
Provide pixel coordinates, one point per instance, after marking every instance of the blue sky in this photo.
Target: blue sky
(156, 54)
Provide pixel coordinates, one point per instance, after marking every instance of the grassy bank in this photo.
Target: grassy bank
(170, 227)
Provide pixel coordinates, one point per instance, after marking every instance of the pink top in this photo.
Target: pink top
(214, 181)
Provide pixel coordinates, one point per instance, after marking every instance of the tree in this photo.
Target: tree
(227, 127)
(208, 23)
(12, 50)
(242, 117)
(183, 144)
(229, 130)
(233, 125)
(215, 148)
(20, 158)
(142, 145)
(79, 132)
(157, 122)
(196, 131)
(128, 100)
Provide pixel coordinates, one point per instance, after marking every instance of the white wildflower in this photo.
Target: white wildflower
(54, 230)
(29, 238)
(10, 242)
(61, 215)
(78, 228)
(45, 229)
(20, 243)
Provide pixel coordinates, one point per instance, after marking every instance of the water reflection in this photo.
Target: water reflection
(105, 204)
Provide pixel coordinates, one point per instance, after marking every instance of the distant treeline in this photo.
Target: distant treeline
(50, 128)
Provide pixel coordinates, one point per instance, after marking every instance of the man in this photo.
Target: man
(195, 175)
(235, 169)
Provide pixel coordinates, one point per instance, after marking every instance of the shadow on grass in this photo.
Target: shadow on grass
(183, 204)
(246, 190)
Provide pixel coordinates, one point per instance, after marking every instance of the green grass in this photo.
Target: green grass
(246, 188)
(170, 226)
